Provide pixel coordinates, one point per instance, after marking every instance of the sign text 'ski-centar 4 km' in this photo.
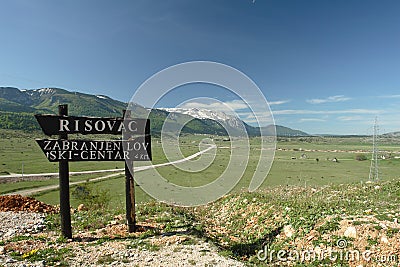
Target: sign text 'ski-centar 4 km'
(135, 148)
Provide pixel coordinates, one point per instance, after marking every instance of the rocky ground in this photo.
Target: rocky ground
(338, 225)
(159, 251)
(20, 203)
(25, 241)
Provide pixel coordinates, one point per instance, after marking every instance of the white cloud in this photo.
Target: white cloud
(345, 111)
(235, 105)
(311, 120)
(389, 96)
(350, 118)
(279, 102)
(336, 98)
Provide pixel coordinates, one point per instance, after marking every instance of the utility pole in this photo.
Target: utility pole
(374, 169)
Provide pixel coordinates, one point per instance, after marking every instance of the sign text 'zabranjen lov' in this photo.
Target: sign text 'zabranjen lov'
(138, 149)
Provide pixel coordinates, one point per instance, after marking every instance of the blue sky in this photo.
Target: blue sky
(324, 66)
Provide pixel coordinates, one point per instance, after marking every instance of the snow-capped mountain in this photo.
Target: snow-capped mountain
(18, 106)
(219, 116)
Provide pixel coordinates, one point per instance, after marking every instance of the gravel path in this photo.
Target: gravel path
(116, 254)
(152, 251)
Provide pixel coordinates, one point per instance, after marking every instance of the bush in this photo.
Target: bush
(361, 157)
(93, 198)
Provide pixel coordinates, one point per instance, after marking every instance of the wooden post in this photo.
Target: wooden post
(130, 192)
(63, 170)
(130, 199)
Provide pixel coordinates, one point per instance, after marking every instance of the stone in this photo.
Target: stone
(10, 261)
(368, 211)
(288, 230)
(82, 207)
(351, 232)
(381, 224)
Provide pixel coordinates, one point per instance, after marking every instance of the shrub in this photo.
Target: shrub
(93, 198)
(361, 157)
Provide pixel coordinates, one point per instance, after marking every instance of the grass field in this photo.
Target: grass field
(19, 153)
(295, 164)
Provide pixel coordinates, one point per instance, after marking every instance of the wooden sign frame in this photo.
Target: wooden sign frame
(63, 150)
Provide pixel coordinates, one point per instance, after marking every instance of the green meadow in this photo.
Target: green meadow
(298, 162)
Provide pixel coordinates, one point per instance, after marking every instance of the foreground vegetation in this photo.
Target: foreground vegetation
(286, 218)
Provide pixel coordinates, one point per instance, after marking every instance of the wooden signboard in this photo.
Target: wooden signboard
(56, 124)
(62, 150)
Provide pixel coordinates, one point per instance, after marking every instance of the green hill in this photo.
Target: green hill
(17, 108)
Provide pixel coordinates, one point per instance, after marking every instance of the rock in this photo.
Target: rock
(351, 232)
(383, 226)
(82, 207)
(368, 211)
(21, 203)
(288, 230)
(10, 261)
(384, 240)
(2, 250)
(119, 217)
(10, 233)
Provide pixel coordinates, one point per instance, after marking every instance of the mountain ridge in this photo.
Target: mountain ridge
(17, 107)
(231, 122)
